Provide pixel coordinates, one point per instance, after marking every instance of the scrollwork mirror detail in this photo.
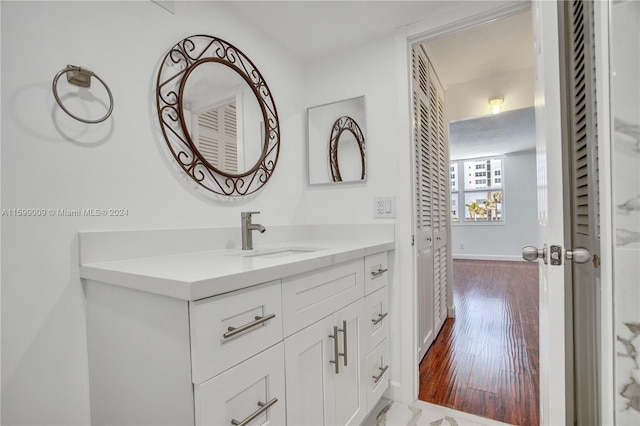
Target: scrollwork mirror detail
(175, 69)
(341, 125)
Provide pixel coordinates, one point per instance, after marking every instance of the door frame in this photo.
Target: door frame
(405, 379)
(405, 382)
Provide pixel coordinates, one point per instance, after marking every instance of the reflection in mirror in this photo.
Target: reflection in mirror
(336, 142)
(346, 150)
(217, 116)
(223, 117)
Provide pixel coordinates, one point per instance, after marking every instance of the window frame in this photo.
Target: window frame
(459, 195)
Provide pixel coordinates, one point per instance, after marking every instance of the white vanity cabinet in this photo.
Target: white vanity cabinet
(157, 360)
(310, 347)
(332, 364)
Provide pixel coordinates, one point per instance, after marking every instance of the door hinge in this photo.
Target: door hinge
(413, 240)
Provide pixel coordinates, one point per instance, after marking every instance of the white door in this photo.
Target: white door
(550, 212)
(581, 140)
(423, 181)
(567, 213)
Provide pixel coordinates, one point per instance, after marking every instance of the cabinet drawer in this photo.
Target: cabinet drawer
(254, 387)
(218, 340)
(377, 319)
(308, 297)
(376, 271)
(377, 373)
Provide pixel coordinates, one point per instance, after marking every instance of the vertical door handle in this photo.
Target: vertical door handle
(344, 341)
(336, 351)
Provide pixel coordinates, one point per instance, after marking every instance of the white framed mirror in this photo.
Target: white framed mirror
(336, 142)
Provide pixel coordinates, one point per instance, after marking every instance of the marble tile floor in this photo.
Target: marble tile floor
(420, 413)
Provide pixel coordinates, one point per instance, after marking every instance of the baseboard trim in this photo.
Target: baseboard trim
(487, 257)
(393, 392)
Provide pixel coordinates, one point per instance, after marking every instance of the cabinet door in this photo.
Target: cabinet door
(318, 391)
(254, 388)
(349, 384)
(309, 370)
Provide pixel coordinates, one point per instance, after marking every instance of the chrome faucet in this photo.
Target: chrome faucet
(247, 227)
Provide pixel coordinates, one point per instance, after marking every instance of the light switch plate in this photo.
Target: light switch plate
(384, 207)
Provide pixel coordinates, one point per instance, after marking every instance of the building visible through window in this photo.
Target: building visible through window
(479, 198)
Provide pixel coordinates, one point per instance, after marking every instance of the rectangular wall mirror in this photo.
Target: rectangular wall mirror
(336, 139)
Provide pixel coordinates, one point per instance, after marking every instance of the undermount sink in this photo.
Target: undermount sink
(276, 252)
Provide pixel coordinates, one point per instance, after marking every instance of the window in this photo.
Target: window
(479, 198)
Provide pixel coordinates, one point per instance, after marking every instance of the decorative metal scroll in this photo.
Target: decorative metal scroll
(175, 69)
(341, 125)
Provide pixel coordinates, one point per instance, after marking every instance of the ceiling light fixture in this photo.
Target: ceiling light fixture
(495, 102)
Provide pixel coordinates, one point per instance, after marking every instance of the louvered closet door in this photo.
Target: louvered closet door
(441, 204)
(432, 200)
(217, 132)
(579, 103)
(423, 201)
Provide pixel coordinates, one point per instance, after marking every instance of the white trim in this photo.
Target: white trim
(607, 334)
(468, 23)
(406, 370)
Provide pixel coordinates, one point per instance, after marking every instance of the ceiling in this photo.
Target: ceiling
(508, 132)
(312, 29)
(494, 48)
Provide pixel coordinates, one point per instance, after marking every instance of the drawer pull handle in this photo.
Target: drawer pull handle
(380, 318)
(377, 378)
(376, 274)
(263, 407)
(336, 351)
(259, 320)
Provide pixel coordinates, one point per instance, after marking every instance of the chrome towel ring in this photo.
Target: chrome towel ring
(80, 76)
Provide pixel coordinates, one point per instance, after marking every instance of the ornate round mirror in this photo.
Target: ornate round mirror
(346, 146)
(218, 116)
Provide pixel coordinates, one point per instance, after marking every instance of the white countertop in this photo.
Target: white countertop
(196, 275)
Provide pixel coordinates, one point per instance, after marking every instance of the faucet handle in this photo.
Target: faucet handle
(248, 214)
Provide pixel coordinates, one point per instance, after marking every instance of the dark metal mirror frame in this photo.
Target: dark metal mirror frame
(175, 69)
(341, 125)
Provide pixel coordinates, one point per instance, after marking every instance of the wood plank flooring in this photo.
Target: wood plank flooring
(485, 361)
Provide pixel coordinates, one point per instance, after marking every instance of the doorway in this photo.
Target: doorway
(493, 169)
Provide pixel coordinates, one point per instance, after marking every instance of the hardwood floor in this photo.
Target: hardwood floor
(485, 361)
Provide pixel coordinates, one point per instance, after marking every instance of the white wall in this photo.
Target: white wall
(51, 161)
(520, 228)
